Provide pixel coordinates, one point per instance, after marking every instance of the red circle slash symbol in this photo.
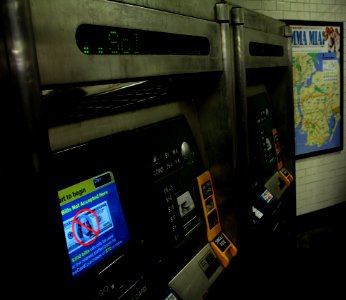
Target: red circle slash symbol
(82, 227)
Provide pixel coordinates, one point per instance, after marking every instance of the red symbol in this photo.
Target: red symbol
(86, 234)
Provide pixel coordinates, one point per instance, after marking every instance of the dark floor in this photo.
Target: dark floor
(313, 263)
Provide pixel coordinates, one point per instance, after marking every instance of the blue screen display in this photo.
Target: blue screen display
(93, 219)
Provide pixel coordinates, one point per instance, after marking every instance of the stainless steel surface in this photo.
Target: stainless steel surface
(24, 141)
(76, 133)
(249, 26)
(259, 29)
(203, 9)
(223, 12)
(272, 69)
(22, 60)
(229, 74)
(257, 21)
(287, 31)
(240, 80)
(60, 61)
(237, 15)
(251, 61)
(218, 126)
(194, 289)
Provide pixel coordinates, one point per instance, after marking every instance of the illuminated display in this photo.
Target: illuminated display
(221, 242)
(207, 189)
(105, 40)
(166, 161)
(94, 223)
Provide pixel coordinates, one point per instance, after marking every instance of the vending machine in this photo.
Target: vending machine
(120, 169)
(264, 102)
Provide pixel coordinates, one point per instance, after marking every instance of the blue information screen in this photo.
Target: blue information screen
(93, 219)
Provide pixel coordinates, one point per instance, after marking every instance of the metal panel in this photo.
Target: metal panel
(60, 61)
(258, 21)
(272, 69)
(261, 29)
(203, 9)
(251, 61)
(189, 289)
(24, 145)
(71, 134)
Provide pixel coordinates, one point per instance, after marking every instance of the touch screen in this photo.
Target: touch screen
(93, 219)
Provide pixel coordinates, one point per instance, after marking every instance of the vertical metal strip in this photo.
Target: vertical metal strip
(24, 148)
(240, 78)
(228, 60)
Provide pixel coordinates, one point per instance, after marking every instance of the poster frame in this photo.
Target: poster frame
(339, 137)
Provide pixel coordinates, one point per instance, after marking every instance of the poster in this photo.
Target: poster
(317, 66)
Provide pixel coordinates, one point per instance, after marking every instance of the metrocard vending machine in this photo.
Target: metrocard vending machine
(131, 212)
(265, 104)
(120, 105)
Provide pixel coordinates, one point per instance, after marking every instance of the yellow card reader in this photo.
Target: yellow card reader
(220, 243)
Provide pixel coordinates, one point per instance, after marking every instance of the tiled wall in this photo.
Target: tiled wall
(320, 180)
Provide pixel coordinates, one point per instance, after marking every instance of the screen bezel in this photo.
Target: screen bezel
(75, 164)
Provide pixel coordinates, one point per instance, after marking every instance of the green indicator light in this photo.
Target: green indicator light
(111, 34)
(127, 41)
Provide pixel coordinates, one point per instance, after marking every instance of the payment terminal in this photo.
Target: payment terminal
(219, 242)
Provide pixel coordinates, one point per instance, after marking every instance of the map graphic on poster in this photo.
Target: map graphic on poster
(316, 87)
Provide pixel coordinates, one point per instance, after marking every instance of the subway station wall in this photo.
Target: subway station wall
(320, 180)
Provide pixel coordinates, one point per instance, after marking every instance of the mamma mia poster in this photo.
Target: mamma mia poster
(317, 66)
